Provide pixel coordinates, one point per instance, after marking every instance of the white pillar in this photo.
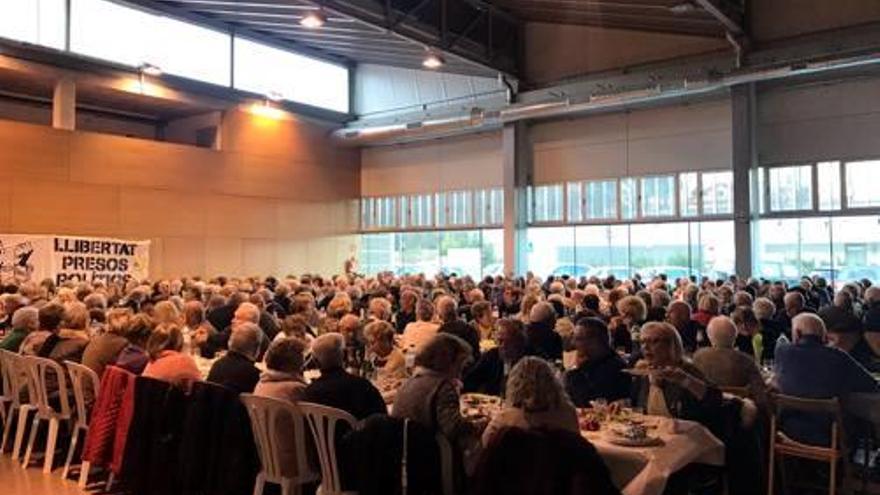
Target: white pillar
(64, 105)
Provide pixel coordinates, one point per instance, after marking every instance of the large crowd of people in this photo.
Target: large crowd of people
(547, 346)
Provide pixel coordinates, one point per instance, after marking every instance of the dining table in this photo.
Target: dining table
(636, 470)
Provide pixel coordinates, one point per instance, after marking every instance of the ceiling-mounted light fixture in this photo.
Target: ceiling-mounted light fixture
(313, 20)
(150, 69)
(433, 61)
(682, 8)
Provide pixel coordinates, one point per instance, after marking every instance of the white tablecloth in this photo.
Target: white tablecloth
(645, 470)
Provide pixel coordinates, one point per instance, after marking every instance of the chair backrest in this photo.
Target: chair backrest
(265, 414)
(15, 376)
(39, 370)
(825, 407)
(6, 390)
(447, 467)
(323, 422)
(86, 385)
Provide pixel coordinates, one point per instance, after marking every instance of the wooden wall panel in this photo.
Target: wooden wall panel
(32, 151)
(64, 208)
(253, 210)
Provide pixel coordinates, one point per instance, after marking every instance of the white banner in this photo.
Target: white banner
(65, 258)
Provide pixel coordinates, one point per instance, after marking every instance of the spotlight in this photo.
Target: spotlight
(150, 69)
(433, 61)
(313, 20)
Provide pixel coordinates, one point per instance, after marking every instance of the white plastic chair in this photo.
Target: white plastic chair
(6, 394)
(84, 381)
(323, 421)
(38, 369)
(265, 414)
(15, 373)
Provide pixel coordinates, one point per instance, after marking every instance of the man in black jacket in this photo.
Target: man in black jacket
(337, 388)
(447, 310)
(489, 375)
(543, 340)
(599, 373)
(236, 369)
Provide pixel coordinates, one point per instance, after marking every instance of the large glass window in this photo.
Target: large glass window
(41, 22)
(658, 196)
(718, 193)
(862, 179)
(489, 206)
(791, 188)
(829, 185)
(603, 250)
(629, 198)
(713, 251)
(419, 211)
(855, 248)
(547, 202)
(264, 69)
(689, 194)
(601, 201)
(789, 248)
(575, 198)
(472, 252)
(551, 250)
(454, 208)
(660, 248)
(110, 31)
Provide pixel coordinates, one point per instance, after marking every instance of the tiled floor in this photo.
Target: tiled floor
(17, 481)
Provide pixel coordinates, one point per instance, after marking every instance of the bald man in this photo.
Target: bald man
(809, 368)
(726, 366)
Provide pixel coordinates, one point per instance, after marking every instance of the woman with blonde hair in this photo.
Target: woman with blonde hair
(165, 312)
(528, 302)
(534, 399)
(105, 348)
(631, 314)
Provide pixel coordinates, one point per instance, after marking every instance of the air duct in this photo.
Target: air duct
(480, 120)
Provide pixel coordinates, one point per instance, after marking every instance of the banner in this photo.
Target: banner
(78, 259)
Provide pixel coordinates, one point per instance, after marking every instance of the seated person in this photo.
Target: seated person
(599, 372)
(673, 387)
(336, 387)
(692, 333)
(389, 362)
(871, 319)
(489, 375)
(24, 321)
(845, 331)
(431, 396)
(167, 363)
(236, 369)
(726, 366)
(447, 310)
(484, 321)
(421, 331)
(105, 348)
(541, 462)
(543, 340)
(535, 399)
(283, 379)
(808, 368)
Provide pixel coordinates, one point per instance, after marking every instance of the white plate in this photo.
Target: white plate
(648, 441)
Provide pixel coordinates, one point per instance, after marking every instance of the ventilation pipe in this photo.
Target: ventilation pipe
(480, 120)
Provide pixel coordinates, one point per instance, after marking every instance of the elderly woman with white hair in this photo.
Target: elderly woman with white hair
(809, 368)
(534, 399)
(724, 365)
(670, 385)
(24, 321)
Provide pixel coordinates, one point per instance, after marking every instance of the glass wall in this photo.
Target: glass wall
(41, 22)
(678, 249)
(834, 233)
(112, 31)
(473, 252)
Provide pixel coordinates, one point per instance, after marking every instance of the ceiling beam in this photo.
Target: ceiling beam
(725, 13)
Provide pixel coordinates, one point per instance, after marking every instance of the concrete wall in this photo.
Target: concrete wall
(777, 19)
(832, 120)
(279, 199)
(467, 162)
(658, 140)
